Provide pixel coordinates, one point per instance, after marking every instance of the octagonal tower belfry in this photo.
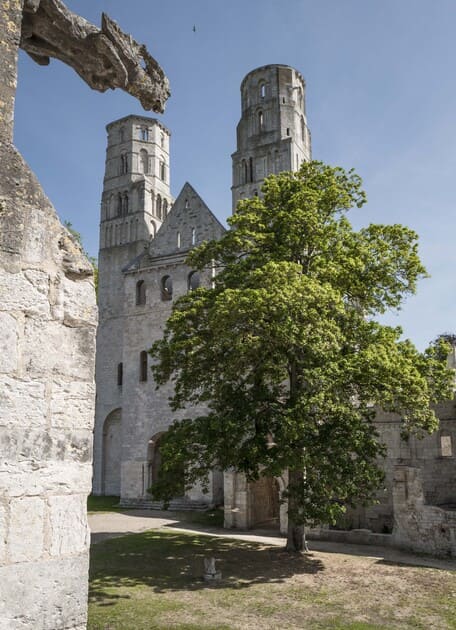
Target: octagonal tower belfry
(272, 134)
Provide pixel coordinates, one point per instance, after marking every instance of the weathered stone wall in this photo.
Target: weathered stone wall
(437, 469)
(47, 330)
(417, 525)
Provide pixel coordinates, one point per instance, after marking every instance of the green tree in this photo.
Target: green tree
(285, 351)
(93, 261)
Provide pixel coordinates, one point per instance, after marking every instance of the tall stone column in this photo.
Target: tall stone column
(47, 334)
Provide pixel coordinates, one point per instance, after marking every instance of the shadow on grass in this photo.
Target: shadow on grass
(168, 561)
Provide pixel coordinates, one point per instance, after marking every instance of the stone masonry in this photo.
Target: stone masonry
(48, 318)
(47, 332)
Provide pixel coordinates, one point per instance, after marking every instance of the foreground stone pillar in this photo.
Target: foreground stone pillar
(47, 333)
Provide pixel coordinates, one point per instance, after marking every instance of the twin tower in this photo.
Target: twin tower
(145, 236)
(272, 136)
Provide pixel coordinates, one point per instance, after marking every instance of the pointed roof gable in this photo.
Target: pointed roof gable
(189, 223)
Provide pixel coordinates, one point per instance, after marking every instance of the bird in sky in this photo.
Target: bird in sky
(194, 28)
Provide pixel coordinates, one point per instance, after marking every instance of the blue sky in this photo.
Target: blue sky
(381, 97)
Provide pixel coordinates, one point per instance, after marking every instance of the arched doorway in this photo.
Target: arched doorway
(265, 503)
(154, 462)
(112, 453)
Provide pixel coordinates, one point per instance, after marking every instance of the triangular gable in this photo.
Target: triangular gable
(189, 223)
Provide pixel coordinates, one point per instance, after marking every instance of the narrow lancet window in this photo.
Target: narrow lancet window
(140, 293)
(143, 366)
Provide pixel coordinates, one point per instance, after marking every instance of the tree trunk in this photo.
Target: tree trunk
(296, 534)
(296, 538)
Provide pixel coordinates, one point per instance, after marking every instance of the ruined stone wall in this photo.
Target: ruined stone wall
(47, 330)
(419, 526)
(437, 466)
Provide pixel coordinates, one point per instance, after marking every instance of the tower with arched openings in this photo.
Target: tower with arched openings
(272, 134)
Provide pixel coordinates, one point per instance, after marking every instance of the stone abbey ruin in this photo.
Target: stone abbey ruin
(48, 322)
(145, 237)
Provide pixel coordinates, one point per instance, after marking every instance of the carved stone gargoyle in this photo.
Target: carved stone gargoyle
(104, 58)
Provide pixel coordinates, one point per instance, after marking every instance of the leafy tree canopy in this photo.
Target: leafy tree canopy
(284, 354)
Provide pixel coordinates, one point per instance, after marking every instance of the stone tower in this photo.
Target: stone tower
(135, 201)
(272, 134)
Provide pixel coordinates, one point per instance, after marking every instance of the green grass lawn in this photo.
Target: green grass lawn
(154, 580)
(103, 504)
(208, 518)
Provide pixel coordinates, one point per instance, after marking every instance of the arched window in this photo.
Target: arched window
(119, 204)
(143, 366)
(120, 374)
(144, 161)
(165, 208)
(166, 288)
(178, 240)
(162, 140)
(144, 134)
(262, 90)
(187, 204)
(193, 281)
(260, 121)
(125, 203)
(250, 169)
(245, 172)
(140, 293)
(112, 207)
(193, 236)
(121, 134)
(162, 171)
(158, 207)
(446, 447)
(124, 163)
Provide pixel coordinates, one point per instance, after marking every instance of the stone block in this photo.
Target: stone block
(32, 477)
(8, 343)
(68, 524)
(80, 308)
(56, 349)
(25, 292)
(20, 400)
(26, 531)
(72, 404)
(44, 595)
(3, 532)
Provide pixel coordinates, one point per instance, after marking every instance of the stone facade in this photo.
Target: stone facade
(47, 343)
(143, 246)
(272, 134)
(416, 507)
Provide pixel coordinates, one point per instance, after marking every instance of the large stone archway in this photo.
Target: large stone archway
(112, 453)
